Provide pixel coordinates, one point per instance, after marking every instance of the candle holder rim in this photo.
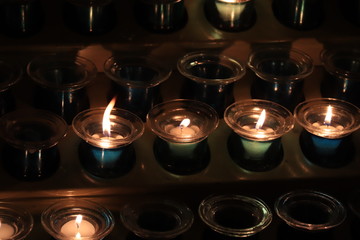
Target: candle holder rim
(16, 71)
(280, 209)
(206, 207)
(241, 70)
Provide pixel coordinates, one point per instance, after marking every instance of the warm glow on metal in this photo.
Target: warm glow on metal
(328, 116)
(184, 123)
(106, 125)
(261, 120)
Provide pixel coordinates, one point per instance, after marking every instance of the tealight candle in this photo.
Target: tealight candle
(78, 228)
(6, 230)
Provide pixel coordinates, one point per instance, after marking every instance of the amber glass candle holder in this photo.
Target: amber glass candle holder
(107, 155)
(328, 124)
(77, 219)
(61, 82)
(279, 75)
(230, 15)
(234, 216)
(308, 214)
(342, 74)
(210, 78)
(182, 127)
(258, 125)
(30, 138)
(136, 82)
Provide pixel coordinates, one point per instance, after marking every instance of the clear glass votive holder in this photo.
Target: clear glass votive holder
(258, 125)
(136, 82)
(182, 127)
(161, 16)
(30, 137)
(326, 138)
(15, 222)
(342, 74)
(279, 74)
(21, 18)
(308, 214)
(61, 82)
(157, 218)
(107, 154)
(299, 14)
(230, 15)
(77, 219)
(234, 216)
(210, 78)
(10, 74)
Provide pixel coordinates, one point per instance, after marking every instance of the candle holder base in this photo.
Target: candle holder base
(210, 234)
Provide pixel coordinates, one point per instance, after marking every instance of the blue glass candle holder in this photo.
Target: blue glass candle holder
(210, 78)
(107, 153)
(299, 14)
(279, 75)
(258, 125)
(20, 18)
(30, 137)
(156, 218)
(182, 127)
(308, 214)
(161, 16)
(61, 82)
(136, 82)
(342, 74)
(328, 124)
(90, 17)
(10, 74)
(234, 216)
(230, 15)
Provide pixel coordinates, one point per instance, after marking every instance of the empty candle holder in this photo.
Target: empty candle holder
(30, 138)
(258, 125)
(231, 15)
(157, 218)
(161, 16)
(326, 138)
(90, 17)
(235, 216)
(182, 127)
(308, 214)
(279, 75)
(15, 222)
(77, 219)
(210, 78)
(136, 82)
(342, 73)
(106, 149)
(299, 14)
(61, 82)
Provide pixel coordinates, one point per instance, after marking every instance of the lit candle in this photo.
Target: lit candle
(6, 231)
(78, 228)
(230, 10)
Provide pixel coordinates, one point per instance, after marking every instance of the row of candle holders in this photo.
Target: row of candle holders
(306, 214)
(22, 18)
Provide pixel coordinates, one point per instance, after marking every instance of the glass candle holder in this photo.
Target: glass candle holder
(16, 223)
(299, 14)
(308, 214)
(60, 83)
(77, 219)
(258, 125)
(279, 74)
(342, 74)
(328, 123)
(20, 18)
(107, 152)
(235, 216)
(210, 78)
(136, 82)
(156, 218)
(90, 17)
(182, 127)
(161, 16)
(10, 74)
(30, 138)
(231, 15)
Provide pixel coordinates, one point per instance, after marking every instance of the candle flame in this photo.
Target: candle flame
(328, 116)
(184, 123)
(106, 119)
(78, 220)
(78, 236)
(261, 120)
